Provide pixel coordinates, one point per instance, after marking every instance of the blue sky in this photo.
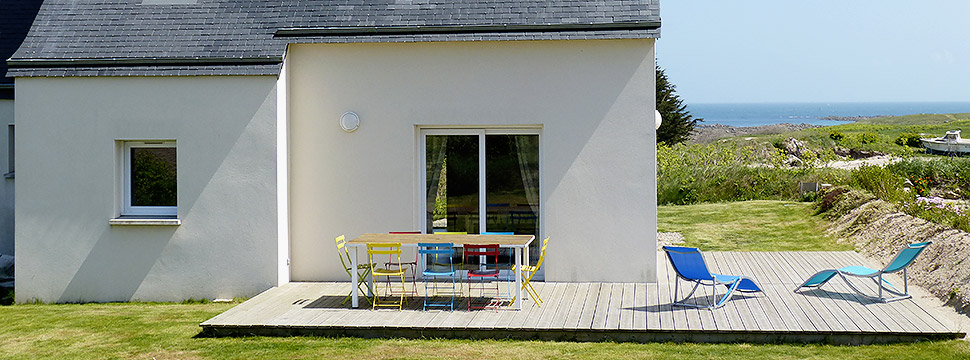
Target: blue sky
(816, 51)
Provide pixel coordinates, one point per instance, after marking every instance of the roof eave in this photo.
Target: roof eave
(96, 62)
(463, 29)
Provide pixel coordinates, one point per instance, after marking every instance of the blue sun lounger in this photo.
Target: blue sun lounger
(689, 265)
(899, 263)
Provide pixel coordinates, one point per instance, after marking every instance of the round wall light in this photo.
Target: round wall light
(657, 119)
(349, 121)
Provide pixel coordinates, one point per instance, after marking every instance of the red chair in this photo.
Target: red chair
(485, 267)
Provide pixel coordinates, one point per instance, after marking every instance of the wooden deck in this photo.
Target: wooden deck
(617, 311)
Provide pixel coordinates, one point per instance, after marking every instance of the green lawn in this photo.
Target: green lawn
(168, 331)
(760, 225)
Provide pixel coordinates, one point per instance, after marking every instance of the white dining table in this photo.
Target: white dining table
(520, 243)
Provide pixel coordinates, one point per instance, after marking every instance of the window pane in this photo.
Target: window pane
(153, 177)
(512, 186)
(452, 187)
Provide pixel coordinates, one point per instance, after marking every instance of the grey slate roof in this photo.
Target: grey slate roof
(249, 37)
(15, 19)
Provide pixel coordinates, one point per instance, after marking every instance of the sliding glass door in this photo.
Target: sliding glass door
(478, 181)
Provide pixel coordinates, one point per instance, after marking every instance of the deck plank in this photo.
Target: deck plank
(628, 310)
(601, 312)
(574, 311)
(640, 310)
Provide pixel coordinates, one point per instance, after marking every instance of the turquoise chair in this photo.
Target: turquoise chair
(689, 265)
(899, 263)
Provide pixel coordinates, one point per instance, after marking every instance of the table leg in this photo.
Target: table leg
(518, 278)
(525, 255)
(353, 277)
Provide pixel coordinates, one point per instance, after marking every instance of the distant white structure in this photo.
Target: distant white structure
(949, 143)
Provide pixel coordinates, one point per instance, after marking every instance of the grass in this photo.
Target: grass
(168, 331)
(759, 225)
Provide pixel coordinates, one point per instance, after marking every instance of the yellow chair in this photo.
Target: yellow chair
(362, 269)
(393, 251)
(529, 271)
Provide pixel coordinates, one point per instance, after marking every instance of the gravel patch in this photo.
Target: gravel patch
(669, 238)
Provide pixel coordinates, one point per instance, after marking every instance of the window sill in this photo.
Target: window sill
(144, 221)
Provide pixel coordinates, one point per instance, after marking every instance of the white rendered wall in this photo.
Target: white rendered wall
(6, 185)
(594, 103)
(69, 180)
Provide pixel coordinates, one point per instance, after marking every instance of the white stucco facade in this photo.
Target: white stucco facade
(69, 132)
(267, 178)
(6, 182)
(592, 102)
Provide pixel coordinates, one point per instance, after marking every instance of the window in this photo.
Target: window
(150, 178)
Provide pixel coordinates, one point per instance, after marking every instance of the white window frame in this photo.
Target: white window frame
(481, 132)
(126, 208)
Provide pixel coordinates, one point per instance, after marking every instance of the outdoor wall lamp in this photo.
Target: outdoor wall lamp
(349, 121)
(657, 119)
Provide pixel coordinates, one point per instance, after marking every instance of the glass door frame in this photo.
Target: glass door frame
(481, 132)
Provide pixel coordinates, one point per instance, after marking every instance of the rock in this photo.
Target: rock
(794, 161)
(949, 195)
(864, 154)
(841, 151)
(704, 134)
(794, 147)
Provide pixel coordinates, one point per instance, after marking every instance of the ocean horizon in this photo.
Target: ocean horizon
(758, 114)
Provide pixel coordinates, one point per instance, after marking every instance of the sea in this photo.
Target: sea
(813, 113)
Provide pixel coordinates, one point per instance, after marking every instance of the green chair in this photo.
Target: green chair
(362, 269)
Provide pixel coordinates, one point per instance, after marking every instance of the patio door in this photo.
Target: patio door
(481, 180)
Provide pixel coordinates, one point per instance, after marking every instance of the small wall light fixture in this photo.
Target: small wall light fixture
(657, 119)
(349, 121)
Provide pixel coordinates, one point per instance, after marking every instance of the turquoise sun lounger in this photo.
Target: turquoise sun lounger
(899, 263)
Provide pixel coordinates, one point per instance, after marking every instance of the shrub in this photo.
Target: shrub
(880, 181)
(922, 185)
(937, 210)
(828, 198)
(836, 135)
(868, 138)
(908, 139)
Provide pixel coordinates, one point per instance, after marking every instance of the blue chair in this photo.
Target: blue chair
(899, 263)
(689, 265)
(441, 266)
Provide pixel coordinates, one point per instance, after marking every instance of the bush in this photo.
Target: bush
(868, 138)
(908, 139)
(828, 198)
(948, 173)
(937, 210)
(717, 172)
(880, 181)
(836, 135)
(921, 185)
